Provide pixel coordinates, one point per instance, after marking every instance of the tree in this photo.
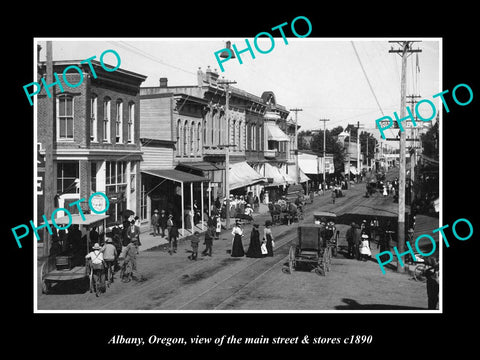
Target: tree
(430, 142)
(372, 142)
(332, 145)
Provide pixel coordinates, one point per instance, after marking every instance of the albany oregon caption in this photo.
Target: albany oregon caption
(236, 191)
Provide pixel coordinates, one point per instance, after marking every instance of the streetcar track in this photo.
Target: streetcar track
(195, 267)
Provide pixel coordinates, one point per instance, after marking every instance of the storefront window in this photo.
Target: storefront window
(67, 177)
(116, 186)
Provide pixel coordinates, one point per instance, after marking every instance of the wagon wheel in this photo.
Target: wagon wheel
(45, 287)
(320, 269)
(291, 259)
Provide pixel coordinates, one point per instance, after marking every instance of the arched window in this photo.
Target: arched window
(119, 122)
(93, 118)
(240, 135)
(179, 131)
(192, 139)
(212, 128)
(131, 123)
(199, 138)
(106, 119)
(234, 139)
(185, 139)
(205, 131)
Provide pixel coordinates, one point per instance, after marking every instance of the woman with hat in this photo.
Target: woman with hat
(97, 264)
(254, 249)
(268, 238)
(365, 252)
(237, 246)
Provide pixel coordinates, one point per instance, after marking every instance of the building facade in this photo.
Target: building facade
(96, 139)
(196, 119)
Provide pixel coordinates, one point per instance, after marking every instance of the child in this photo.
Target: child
(194, 243)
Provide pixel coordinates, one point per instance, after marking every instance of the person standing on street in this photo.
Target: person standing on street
(349, 237)
(209, 235)
(155, 222)
(357, 241)
(98, 266)
(334, 195)
(172, 235)
(194, 244)
(237, 245)
(133, 232)
(268, 238)
(162, 222)
(129, 269)
(254, 249)
(109, 256)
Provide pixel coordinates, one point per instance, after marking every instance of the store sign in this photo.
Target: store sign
(98, 203)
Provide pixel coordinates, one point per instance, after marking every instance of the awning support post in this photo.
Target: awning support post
(191, 205)
(201, 208)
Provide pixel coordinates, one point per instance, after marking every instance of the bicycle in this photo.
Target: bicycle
(421, 272)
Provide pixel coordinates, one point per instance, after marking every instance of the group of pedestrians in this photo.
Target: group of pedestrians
(168, 227)
(358, 240)
(103, 260)
(257, 248)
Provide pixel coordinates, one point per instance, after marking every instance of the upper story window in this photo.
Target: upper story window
(131, 123)
(119, 122)
(106, 119)
(179, 131)
(93, 118)
(65, 117)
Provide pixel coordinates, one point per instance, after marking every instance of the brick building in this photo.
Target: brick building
(96, 139)
(194, 118)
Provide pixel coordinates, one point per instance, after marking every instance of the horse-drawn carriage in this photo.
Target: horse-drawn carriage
(286, 211)
(310, 251)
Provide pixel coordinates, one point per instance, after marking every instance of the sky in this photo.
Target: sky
(322, 76)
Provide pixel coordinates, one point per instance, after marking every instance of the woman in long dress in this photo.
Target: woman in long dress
(268, 237)
(254, 249)
(237, 246)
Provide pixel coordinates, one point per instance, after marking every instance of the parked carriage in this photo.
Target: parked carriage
(61, 267)
(310, 251)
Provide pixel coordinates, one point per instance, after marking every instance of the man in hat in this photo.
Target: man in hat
(209, 235)
(155, 222)
(109, 256)
(98, 265)
(162, 221)
(129, 269)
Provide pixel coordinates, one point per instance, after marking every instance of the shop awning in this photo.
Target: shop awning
(241, 174)
(176, 175)
(275, 133)
(202, 165)
(289, 179)
(309, 165)
(303, 177)
(274, 173)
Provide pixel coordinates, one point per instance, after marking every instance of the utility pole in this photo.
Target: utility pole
(324, 148)
(297, 168)
(227, 146)
(48, 196)
(404, 52)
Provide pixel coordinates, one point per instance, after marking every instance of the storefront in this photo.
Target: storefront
(176, 192)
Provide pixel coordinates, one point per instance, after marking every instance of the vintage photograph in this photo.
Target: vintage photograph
(223, 175)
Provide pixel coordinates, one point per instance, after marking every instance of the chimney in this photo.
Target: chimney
(163, 82)
(212, 76)
(200, 77)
